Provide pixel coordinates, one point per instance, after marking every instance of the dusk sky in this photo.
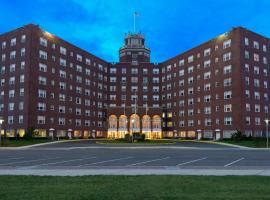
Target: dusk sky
(170, 26)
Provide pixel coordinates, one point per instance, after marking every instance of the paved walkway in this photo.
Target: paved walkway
(85, 172)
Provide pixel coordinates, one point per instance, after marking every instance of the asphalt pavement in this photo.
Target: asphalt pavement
(88, 155)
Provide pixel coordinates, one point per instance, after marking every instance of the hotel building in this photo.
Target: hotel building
(57, 89)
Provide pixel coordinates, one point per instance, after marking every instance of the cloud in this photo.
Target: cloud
(170, 26)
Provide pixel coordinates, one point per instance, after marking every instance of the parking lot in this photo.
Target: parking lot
(89, 155)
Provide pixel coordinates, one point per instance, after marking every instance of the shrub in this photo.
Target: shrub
(238, 136)
(29, 133)
(127, 137)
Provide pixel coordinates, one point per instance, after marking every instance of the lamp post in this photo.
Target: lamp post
(1, 122)
(132, 123)
(266, 122)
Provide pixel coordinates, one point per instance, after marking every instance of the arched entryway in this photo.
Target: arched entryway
(134, 123)
(112, 126)
(146, 126)
(122, 128)
(156, 127)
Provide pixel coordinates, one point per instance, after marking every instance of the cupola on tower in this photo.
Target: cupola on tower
(134, 50)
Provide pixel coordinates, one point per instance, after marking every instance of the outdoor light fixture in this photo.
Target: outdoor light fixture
(267, 122)
(1, 122)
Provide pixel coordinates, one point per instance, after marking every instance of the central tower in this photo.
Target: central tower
(134, 50)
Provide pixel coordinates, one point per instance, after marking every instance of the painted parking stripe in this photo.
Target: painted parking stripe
(191, 161)
(26, 161)
(61, 162)
(148, 161)
(12, 158)
(229, 164)
(105, 161)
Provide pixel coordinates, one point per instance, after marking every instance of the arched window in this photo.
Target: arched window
(156, 122)
(134, 121)
(123, 122)
(113, 122)
(146, 122)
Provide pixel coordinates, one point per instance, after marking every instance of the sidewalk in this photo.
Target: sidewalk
(135, 172)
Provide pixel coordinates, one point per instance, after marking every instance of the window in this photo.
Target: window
(207, 63)
(227, 82)
(42, 67)
(246, 41)
(42, 93)
(256, 70)
(22, 52)
(41, 119)
(227, 56)
(23, 38)
(61, 121)
(63, 62)
(257, 121)
(42, 55)
(10, 106)
(246, 55)
(247, 120)
(41, 106)
(63, 50)
(42, 80)
(10, 119)
(256, 57)
(79, 57)
(12, 55)
(22, 78)
(190, 69)
(207, 75)
(181, 63)
(13, 42)
(207, 110)
(246, 67)
(256, 45)
(257, 108)
(12, 68)
(227, 69)
(248, 109)
(227, 94)
(20, 119)
(190, 59)
(228, 108)
(264, 48)
(113, 70)
(207, 52)
(43, 42)
(227, 120)
(4, 45)
(227, 44)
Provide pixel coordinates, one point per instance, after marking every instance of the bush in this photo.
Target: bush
(127, 137)
(239, 136)
(29, 133)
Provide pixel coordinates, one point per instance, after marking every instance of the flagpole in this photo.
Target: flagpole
(134, 22)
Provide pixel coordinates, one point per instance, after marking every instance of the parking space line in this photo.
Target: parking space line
(61, 162)
(12, 158)
(231, 163)
(148, 161)
(192, 161)
(105, 161)
(26, 161)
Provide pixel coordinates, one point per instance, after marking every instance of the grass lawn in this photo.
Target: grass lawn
(136, 142)
(135, 187)
(21, 142)
(256, 143)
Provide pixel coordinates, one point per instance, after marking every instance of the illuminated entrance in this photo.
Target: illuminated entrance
(119, 126)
